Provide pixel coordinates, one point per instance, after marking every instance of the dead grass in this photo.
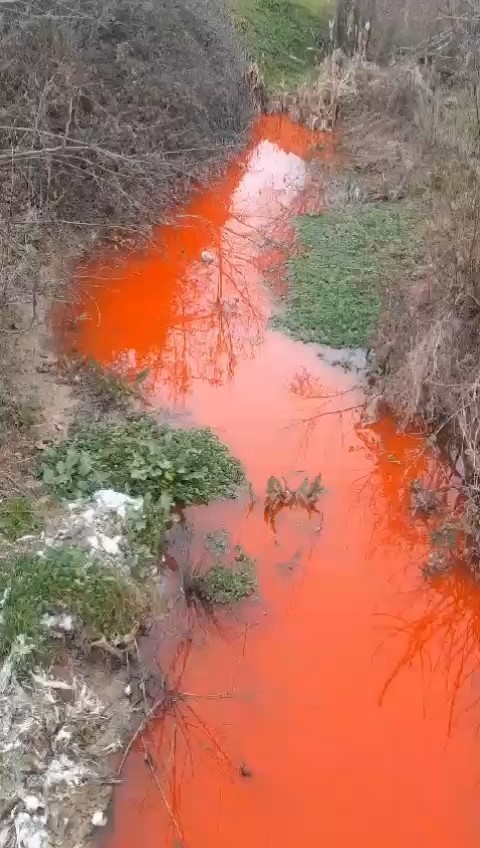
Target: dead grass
(410, 137)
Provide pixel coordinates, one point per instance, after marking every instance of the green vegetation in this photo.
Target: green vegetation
(63, 580)
(335, 285)
(18, 517)
(222, 585)
(284, 36)
(146, 528)
(138, 457)
(106, 389)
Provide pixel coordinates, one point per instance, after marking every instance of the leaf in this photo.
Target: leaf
(48, 475)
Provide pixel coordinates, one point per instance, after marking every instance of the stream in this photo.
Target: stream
(340, 707)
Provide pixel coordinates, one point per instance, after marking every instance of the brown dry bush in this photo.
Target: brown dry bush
(108, 109)
(427, 349)
(110, 113)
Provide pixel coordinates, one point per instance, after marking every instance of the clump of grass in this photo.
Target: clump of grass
(336, 284)
(139, 457)
(18, 517)
(106, 389)
(16, 414)
(223, 585)
(284, 36)
(64, 579)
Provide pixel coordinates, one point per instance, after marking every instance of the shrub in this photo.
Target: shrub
(108, 109)
(223, 585)
(138, 457)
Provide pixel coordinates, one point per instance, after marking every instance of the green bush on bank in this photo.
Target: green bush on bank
(138, 457)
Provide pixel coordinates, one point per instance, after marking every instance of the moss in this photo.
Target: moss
(336, 283)
(138, 457)
(18, 517)
(64, 579)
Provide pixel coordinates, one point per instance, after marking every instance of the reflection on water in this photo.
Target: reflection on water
(206, 315)
(340, 707)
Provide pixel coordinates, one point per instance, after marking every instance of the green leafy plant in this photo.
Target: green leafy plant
(138, 457)
(63, 580)
(279, 495)
(222, 584)
(146, 528)
(336, 284)
(18, 517)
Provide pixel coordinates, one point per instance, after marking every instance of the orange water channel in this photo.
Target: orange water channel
(340, 707)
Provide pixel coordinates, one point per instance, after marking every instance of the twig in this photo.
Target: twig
(150, 764)
(141, 727)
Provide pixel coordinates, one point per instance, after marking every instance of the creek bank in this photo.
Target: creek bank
(406, 162)
(77, 592)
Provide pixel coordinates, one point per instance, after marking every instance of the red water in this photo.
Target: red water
(351, 684)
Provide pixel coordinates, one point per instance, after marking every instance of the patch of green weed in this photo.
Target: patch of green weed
(284, 36)
(18, 517)
(64, 579)
(146, 528)
(335, 285)
(222, 585)
(138, 457)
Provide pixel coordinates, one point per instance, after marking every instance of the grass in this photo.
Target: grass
(223, 585)
(336, 283)
(285, 37)
(138, 457)
(106, 389)
(63, 580)
(18, 517)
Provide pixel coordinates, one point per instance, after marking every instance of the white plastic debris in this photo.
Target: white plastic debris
(50, 682)
(32, 803)
(128, 690)
(207, 256)
(99, 819)
(110, 544)
(5, 836)
(62, 770)
(64, 622)
(116, 501)
(30, 831)
(63, 737)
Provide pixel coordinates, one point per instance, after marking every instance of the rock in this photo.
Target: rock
(245, 771)
(111, 545)
(99, 819)
(207, 256)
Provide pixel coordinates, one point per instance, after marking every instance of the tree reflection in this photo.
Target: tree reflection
(445, 635)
